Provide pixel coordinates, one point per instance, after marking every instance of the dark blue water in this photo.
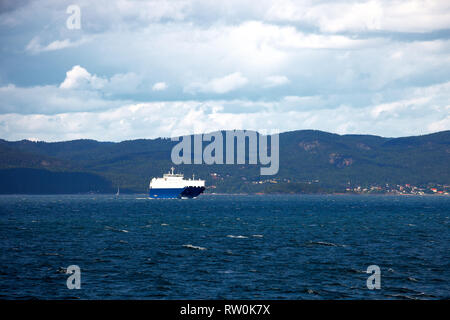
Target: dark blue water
(225, 247)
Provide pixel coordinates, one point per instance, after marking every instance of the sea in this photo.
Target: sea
(225, 247)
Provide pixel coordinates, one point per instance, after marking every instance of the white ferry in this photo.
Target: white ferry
(172, 186)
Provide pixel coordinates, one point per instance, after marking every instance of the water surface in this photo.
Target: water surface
(225, 247)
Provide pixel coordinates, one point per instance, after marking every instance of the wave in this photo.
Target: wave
(352, 270)
(236, 237)
(190, 246)
(49, 254)
(225, 271)
(402, 296)
(114, 229)
(310, 291)
(61, 270)
(323, 243)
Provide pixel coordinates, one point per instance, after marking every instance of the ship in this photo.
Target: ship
(174, 186)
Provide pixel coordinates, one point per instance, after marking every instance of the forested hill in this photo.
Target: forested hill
(310, 161)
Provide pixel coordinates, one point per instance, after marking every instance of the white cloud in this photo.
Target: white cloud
(79, 77)
(275, 81)
(220, 85)
(159, 86)
(328, 16)
(80, 91)
(148, 121)
(338, 17)
(373, 15)
(123, 83)
(35, 46)
(440, 125)
(394, 109)
(334, 65)
(415, 115)
(51, 100)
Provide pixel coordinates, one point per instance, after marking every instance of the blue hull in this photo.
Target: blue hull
(188, 192)
(192, 192)
(165, 193)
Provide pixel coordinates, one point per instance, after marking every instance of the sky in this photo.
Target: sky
(160, 68)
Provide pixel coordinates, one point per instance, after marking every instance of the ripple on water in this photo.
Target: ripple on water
(290, 247)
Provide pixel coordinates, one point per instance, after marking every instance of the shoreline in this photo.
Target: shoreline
(229, 194)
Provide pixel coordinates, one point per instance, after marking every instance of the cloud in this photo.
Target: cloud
(415, 115)
(312, 60)
(275, 81)
(79, 91)
(328, 16)
(341, 66)
(395, 109)
(34, 46)
(52, 100)
(123, 83)
(220, 85)
(159, 86)
(440, 125)
(79, 77)
(151, 120)
(345, 16)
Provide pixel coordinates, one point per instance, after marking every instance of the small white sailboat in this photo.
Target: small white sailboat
(118, 192)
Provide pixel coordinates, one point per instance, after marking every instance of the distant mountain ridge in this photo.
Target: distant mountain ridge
(310, 161)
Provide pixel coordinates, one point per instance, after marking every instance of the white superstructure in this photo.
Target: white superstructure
(174, 180)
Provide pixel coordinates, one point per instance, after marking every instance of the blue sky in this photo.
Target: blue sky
(144, 69)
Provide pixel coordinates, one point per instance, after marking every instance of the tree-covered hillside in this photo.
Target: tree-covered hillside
(310, 161)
